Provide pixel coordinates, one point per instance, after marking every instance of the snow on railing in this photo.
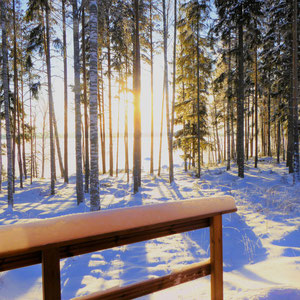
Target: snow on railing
(48, 241)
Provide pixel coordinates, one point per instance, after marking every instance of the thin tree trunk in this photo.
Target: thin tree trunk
(137, 110)
(256, 109)
(85, 100)
(166, 83)
(118, 137)
(43, 143)
(295, 93)
(35, 149)
(269, 121)
(94, 179)
(152, 112)
(50, 98)
(174, 79)
(16, 97)
(126, 120)
(103, 144)
(240, 100)
(111, 159)
(278, 133)
(31, 134)
(229, 103)
(198, 103)
(23, 124)
(283, 144)
(79, 181)
(161, 131)
(66, 164)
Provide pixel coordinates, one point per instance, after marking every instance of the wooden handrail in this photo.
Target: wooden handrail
(40, 242)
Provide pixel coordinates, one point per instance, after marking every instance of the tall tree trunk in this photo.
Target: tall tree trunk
(16, 97)
(43, 143)
(94, 179)
(137, 104)
(295, 93)
(198, 103)
(269, 120)
(31, 134)
(126, 119)
(161, 131)
(118, 137)
(174, 80)
(152, 111)
(256, 109)
(50, 98)
(240, 99)
(23, 124)
(79, 181)
(66, 164)
(166, 84)
(111, 152)
(103, 140)
(278, 132)
(229, 103)
(85, 100)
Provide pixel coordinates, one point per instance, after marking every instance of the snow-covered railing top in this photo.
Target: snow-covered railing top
(47, 241)
(22, 237)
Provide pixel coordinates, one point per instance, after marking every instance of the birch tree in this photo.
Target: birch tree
(94, 176)
(79, 180)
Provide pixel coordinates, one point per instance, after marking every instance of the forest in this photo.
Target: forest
(116, 103)
(233, 65)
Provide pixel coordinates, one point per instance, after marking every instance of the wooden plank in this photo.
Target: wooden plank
(153, 285)
(116, 239)
(51, 274)
(216, 256)
(104, 241)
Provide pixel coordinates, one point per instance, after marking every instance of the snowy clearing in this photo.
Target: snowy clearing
(261, 240)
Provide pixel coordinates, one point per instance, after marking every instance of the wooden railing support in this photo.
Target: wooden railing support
(28, 244)
(216, 256)
(51, 274)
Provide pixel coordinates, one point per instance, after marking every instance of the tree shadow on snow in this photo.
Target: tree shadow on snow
(240, 244)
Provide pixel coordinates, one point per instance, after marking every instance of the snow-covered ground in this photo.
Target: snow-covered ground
(261, 240)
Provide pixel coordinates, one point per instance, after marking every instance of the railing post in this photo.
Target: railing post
(51, 274)
(216, 256)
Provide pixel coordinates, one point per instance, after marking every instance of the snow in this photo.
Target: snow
(261, 240)
(20, 237)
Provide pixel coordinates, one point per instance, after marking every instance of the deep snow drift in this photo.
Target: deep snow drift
(261, 241)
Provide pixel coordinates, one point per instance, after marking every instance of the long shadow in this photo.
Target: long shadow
(9, 290)
(105, 269)
(240, 244)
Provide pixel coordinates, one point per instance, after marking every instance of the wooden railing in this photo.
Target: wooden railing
(50, 240)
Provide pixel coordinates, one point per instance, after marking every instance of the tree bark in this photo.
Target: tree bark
(66, 164)
(152, 112)
(94, 178)
(198, 104)
(79, 181)
(50, 99)
(85, 100)
(256, 109)
(111, 158)
(295, 93)
(137, 109)
(240, 99)
(229, 103)
(166, 83)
